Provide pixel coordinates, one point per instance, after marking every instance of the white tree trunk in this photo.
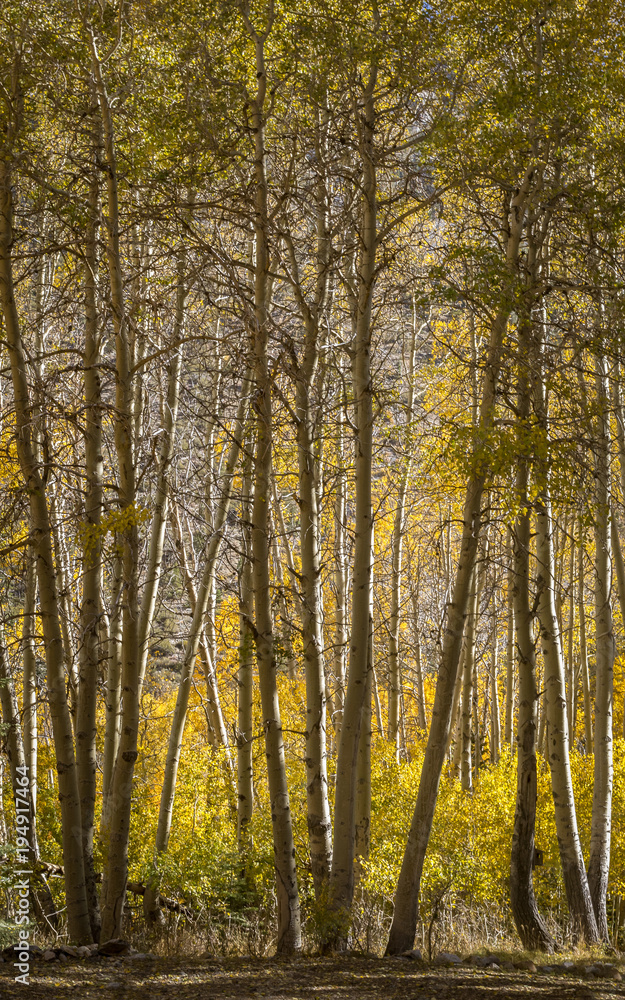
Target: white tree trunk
(601, 826)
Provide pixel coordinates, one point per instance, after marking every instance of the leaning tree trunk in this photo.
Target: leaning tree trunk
(215, 715)
(601, 826)
(405, 915)
(199, 602)
(75, 890)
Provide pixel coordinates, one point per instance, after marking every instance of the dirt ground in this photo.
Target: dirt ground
(343, 978)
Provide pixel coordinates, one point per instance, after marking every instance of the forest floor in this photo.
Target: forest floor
(338, 978)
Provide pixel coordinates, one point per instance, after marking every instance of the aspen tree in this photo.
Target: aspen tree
(342, 877)
(573, 869)
(116, 832)
(306, 372)
(601, 826)
(89, 659)
(529, 923)
(289, 928)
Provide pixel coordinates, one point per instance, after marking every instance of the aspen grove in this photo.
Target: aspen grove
(312, 471)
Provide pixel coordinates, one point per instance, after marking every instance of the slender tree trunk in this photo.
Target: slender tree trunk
(340, 577)
(112, 690)
(509, 710)
(342, 877)
(455, 729)
(573, 870)
(601, 826)
(117, 830)
(420, 688)
(89, 657)
(363, 769)
(319, 822)
(285, 617)
(404, 923)
(29, 658)
(583, 649)
(363, 766)
(215, 714)
(245, 673)
(495, 718)
(468, 691)
(570, 660)
(529, 923)
(289, 928)
(394, 690)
